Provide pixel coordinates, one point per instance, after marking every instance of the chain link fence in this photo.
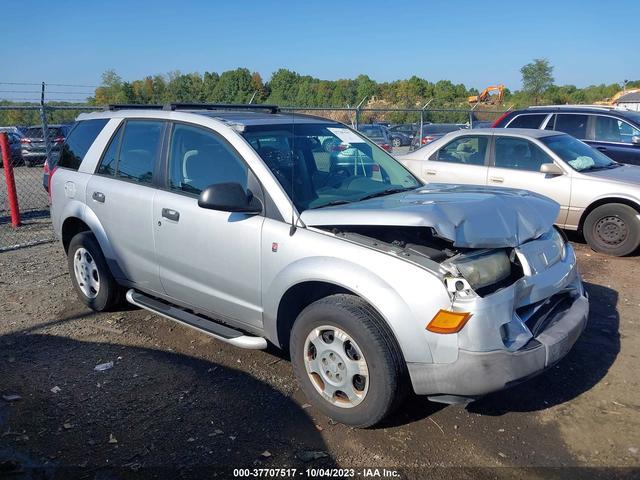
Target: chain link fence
(24, 127)
(30, 148)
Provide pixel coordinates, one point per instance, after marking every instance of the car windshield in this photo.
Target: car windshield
(322, 164)
(372, 131)
(578, 155)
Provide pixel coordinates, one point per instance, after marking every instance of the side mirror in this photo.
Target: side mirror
(635, 140)
(551, 169)
(229, 197)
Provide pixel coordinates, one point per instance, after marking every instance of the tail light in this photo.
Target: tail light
(386, 146)
(427, 139)
(58, 140)
(495, 124)
(25, 140)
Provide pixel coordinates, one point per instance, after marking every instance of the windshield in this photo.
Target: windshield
(327, 164)
(578, 155)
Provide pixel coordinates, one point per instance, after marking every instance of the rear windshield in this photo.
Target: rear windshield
(36, 132)
(440, 128)
(372, 132)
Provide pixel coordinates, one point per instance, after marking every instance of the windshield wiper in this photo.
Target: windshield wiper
(382, 193)
(331, 204)
(601, 167)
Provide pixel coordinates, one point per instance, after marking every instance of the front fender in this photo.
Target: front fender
(378, 292)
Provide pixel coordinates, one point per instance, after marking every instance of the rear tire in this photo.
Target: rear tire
(613, 229)
(90, 275)
(363, 372)
(396, 142)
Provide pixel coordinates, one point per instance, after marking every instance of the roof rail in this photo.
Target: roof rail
(602, 107)
(132, 106)
(221, 106)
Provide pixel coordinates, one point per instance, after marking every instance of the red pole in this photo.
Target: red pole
(11, 182)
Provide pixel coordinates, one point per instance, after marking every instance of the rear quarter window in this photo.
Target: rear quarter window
(80, 139)
(527, 121)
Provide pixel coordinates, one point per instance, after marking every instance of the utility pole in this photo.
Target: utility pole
(45, 127)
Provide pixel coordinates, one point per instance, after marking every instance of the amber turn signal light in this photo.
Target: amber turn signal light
(448, 322)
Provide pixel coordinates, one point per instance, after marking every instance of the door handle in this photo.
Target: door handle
(430, 172)
(170, 214)
(602, 149)
(98, 197)
(496, 179)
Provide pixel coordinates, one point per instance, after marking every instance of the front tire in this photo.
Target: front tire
(396, 142)
(346, 361)
(90, 275)
(613, 229)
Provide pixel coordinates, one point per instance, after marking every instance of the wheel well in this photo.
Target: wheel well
(296, 299)
(70, 228)
(604, 201)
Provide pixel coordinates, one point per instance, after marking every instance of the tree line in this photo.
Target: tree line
(289, 88)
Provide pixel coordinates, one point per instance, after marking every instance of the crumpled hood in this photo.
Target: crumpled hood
(469, 216)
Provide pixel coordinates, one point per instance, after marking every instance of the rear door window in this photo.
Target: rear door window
(527, 121)
(133, 151)
(79, 141)
(139, 149)
(572, 124)
(464, 150)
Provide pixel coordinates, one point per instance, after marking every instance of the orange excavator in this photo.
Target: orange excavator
(486, 98)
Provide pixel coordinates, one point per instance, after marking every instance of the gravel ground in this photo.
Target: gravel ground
(177, 403)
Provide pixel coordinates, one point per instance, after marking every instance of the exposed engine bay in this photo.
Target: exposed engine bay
(486, 270)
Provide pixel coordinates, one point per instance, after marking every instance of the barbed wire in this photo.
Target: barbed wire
(49, 84)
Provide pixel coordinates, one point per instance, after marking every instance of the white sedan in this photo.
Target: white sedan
(597, 196)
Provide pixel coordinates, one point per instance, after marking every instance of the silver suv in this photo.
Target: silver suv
(256, 226)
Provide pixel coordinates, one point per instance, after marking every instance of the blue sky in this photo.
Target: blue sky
(473, 42)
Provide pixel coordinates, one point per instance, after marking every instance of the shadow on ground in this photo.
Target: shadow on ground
(583, 367)
(153, 413)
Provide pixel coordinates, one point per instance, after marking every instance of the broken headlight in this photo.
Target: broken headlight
(483, 269)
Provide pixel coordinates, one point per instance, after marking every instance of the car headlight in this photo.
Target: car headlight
(484, 269)
(559, 242)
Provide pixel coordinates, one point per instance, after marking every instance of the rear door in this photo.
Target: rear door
(121, 194)
(209, 259)
(516, 162)
(462, 160)
(612, 136)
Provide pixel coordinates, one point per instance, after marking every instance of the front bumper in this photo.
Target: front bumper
(477, 373)
(514, 334)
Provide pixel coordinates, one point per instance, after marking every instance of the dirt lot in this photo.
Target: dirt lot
(177, 403)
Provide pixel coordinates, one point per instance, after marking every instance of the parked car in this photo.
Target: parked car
(368, 277)
(408, 130)
(378, 133)
(14, 147)
(399, 139)
(433, 131)
(597, 196)
(34, 150)
(615, 132)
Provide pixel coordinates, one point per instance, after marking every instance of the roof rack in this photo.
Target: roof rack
(132, 106)
(220, 106)
(602, 107)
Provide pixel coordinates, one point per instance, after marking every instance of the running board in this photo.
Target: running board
(210, 327)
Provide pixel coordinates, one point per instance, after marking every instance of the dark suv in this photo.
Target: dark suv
(614, 132)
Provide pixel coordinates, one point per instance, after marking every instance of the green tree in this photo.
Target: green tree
(537, 78)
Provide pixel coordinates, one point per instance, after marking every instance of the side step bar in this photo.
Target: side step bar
(210, 327)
